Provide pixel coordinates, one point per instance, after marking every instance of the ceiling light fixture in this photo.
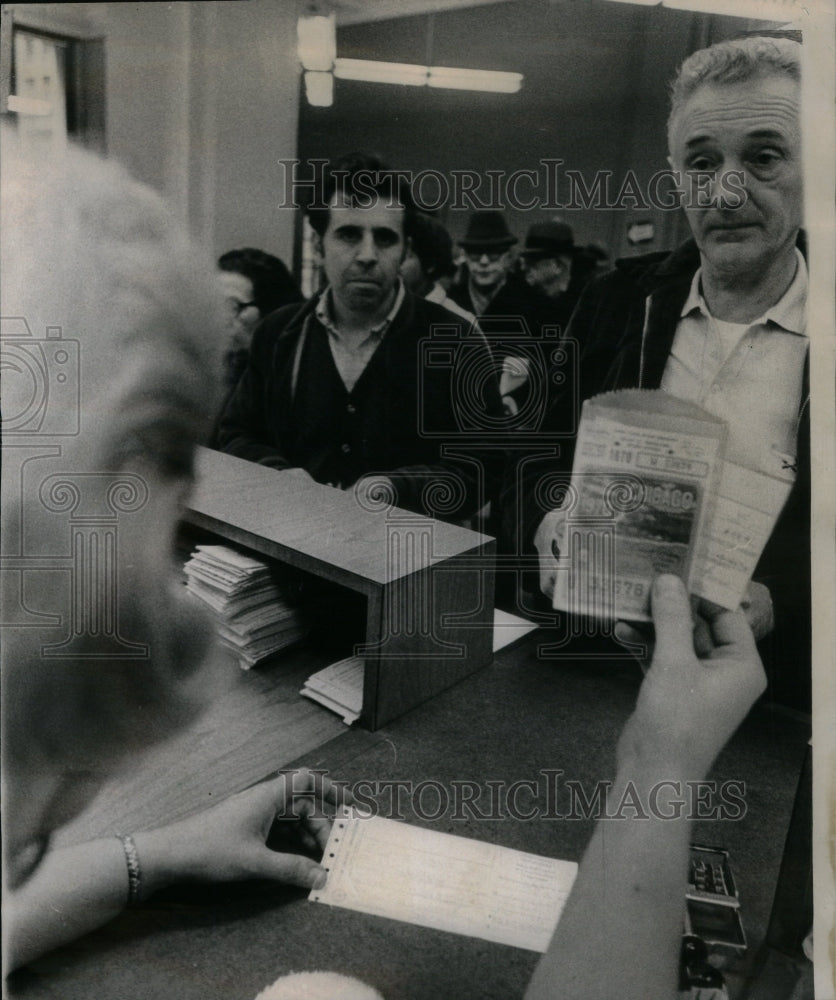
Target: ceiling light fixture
(317, 51)
(371, 71)
(412, 75)
(316, 42)
(319, 89)
(474, 79)
(316, 46)
(759, 10)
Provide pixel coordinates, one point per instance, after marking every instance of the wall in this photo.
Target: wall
(201, 103)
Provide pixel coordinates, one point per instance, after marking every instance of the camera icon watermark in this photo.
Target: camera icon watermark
(41, 387)
(59, 562)
(538, 364)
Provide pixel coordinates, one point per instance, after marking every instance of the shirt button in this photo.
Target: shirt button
(346, 448)
(351, 408)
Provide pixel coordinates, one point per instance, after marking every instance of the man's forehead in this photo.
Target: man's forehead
(764, 105)
(374, 211)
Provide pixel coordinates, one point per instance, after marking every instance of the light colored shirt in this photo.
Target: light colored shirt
(351, 360)
(438, 295)
(748, 374)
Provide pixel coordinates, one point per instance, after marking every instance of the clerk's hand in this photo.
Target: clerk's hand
(549, 542)
(756, 606)
(690, 704)
(228, 842)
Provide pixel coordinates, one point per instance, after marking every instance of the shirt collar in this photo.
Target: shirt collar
(325, 313)
(789, 312)
(478, 297)
(436, 294)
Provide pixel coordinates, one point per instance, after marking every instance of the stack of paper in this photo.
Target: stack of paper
(339, 687)
(255, 616)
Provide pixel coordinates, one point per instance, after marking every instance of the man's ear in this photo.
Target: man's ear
(316, 243)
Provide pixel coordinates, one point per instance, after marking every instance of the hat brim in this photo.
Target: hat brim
(500, 243)
(544, 252)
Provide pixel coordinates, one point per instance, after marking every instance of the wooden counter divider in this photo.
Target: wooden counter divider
(429, 585)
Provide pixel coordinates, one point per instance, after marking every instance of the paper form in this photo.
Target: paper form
(391, 869)
(747, 507)
(339, 687)
(644, 494)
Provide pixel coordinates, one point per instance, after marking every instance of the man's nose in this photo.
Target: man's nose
(728, 187)
(367, 249)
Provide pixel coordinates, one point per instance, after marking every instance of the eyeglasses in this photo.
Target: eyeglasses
(236, 307)
(476, 255)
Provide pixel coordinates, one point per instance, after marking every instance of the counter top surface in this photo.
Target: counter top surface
(506, 723)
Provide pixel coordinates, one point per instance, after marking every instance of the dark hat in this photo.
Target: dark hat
(487, 231)
(548, 239)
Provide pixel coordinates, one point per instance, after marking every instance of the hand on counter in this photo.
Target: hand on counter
(228, 842)
(76, 889)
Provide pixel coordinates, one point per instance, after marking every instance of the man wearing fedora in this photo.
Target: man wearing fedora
(488, 287)
(548, 257)
(496, 292)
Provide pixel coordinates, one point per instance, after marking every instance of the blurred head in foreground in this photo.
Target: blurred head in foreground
(110, 355)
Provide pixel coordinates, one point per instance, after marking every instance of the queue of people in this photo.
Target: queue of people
(332, 388)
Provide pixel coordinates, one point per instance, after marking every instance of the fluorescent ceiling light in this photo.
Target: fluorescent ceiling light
(411, 75)
(319, 89)
(371, 71)
(316, 42)
(760, 10)
(474, 79)
(28, 105)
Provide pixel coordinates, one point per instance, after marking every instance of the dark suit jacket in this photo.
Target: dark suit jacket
(290, 407)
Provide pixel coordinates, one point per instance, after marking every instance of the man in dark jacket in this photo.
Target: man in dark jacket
(363, 387)
(720, 322)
